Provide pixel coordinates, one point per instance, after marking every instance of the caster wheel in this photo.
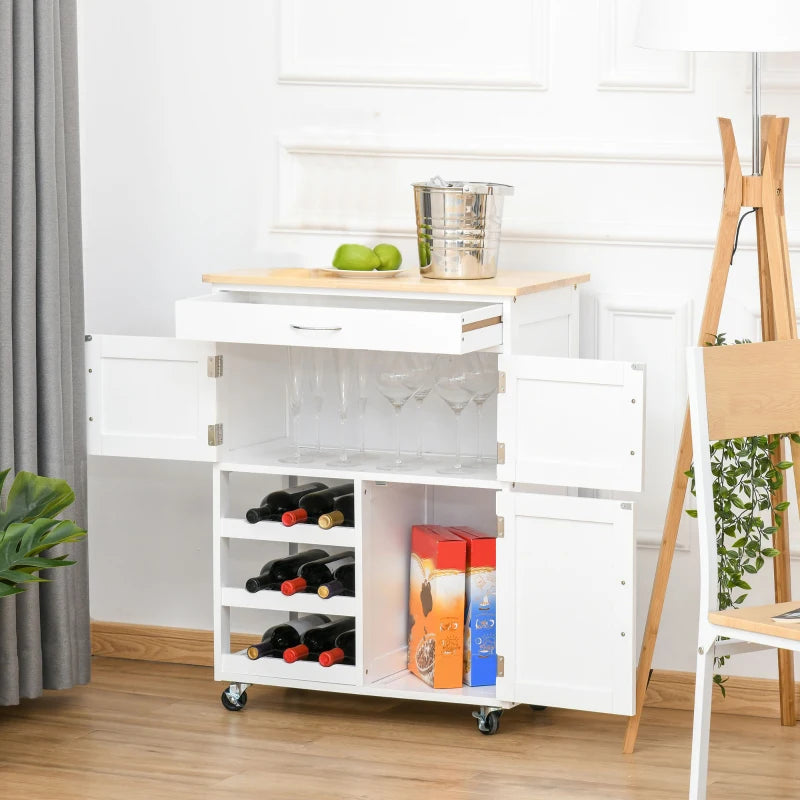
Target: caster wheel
(490, 724)
(233, 705)
(538, 708)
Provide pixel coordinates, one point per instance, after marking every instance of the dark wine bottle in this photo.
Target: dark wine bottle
(275, 572)
(281, 637)
(343, 582)
(317, 641)
(314, 573)
(275, 504)
(313, 506)
(343, 513)
(343, 651)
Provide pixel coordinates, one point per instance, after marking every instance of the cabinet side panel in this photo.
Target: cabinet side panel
(543, 324)
(389, 511)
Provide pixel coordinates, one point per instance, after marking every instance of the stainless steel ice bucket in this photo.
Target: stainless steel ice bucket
(458, 227)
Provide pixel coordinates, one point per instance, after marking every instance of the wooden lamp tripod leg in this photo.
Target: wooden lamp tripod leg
(731, 205)
(778, 322)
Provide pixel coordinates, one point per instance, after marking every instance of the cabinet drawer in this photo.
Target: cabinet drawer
(388, 324)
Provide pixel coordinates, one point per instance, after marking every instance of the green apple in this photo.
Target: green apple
(355, 256)
(389, 256)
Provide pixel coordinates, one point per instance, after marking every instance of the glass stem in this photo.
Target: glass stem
(343, 429)
(317, 423)
(296, 433)
(397, 411)
(458, 438)
(362, 423)
(479, 409)
(419, 427)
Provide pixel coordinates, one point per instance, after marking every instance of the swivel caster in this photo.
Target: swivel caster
(488, 720)
(234, 698)
(537, 708)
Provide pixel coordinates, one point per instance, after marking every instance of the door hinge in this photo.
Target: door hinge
(501, 453)
(215, 366)
(501, 527)
(501, 667)
(501, 383)
(215, 435)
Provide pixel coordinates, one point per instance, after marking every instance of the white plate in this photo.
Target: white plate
(363, 273)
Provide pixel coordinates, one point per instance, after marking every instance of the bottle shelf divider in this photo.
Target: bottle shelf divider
(339, 536)
(306, 603)
(270, 668)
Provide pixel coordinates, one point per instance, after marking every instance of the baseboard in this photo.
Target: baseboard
(155, 643)
(756, 697)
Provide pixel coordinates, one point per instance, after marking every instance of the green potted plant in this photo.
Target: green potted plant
(28, 527)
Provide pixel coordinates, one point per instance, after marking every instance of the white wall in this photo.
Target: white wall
(221, 135)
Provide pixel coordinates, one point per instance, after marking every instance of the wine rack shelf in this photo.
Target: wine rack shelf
(339, 536)
(306, 603)
(264, 669)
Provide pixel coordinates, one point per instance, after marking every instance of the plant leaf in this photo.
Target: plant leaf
(33, 496)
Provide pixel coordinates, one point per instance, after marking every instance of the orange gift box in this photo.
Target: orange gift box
(436, 606)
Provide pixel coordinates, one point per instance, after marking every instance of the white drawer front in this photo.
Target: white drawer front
(417, 326)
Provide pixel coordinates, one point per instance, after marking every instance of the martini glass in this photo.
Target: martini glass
(395, 383)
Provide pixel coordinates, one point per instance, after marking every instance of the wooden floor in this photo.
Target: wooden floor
(148, 731)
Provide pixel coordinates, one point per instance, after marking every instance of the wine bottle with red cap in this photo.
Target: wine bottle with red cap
(313, 574)
(343, 582)
(281, 637)
(343, 651)
(277, 503)
(275, 572)
(317, 641)
(343, 513)
(313, 506)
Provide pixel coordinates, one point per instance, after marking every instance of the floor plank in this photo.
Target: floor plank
(145, 730)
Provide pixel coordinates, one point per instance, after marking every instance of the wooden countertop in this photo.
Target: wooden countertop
(510, 283)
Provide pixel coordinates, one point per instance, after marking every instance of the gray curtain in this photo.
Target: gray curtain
(44, 632)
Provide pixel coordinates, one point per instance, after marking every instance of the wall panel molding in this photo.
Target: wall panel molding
(384, 166)
(655, 331)
(625, 67)
(515, 39)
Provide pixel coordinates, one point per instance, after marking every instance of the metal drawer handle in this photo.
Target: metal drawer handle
(313, 328)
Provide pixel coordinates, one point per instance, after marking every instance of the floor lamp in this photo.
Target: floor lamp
(752, 26)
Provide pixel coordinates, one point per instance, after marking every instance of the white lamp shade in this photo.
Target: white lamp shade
(755, 26)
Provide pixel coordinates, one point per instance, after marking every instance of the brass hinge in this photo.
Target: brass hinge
(501, 453)
(501, 383)
(501, 527)
(215, 435)
(501, 667)
(215, 366)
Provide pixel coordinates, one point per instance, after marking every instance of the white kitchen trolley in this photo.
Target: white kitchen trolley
(569, 435)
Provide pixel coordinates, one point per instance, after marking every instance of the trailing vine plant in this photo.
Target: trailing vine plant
(745, 483)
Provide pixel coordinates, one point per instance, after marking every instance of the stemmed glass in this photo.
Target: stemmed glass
(395, 383)
(482, 380)
(316, 374)
(363, 376)
(450, 382)
(346, 395)
(422, 378)
(294, 400)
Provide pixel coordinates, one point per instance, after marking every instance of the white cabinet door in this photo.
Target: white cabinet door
(149, 397)
(566, 602)
(571, 422)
